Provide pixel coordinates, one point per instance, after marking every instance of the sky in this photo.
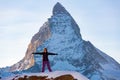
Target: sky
(99, 22)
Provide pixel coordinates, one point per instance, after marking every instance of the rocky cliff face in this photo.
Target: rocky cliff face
(60, 34)
(28, 61)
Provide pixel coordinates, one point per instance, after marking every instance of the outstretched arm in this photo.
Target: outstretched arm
(41, 53)
(52, 53)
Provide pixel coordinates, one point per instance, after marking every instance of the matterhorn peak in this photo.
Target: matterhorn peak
(61, 34)
(58, 9)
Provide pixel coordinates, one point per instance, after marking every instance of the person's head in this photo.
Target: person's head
(45, 50)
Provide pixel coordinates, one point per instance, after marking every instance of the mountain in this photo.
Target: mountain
(61, 34)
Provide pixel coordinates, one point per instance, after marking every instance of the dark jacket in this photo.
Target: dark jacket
(45, 55)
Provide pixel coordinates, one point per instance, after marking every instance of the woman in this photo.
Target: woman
(45, 60)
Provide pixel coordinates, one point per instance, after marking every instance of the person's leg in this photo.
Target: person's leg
(43, 66)
(48, 65)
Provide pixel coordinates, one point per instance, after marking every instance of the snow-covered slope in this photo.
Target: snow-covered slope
(61, 34)
(54, 74)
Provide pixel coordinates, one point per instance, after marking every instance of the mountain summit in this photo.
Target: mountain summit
(61, 34)
(59, 9)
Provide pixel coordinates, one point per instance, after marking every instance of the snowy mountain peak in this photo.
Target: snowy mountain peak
(61, 20)
(61, 35)
(58, 9)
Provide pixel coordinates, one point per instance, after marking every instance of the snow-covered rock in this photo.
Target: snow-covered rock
(54, 74)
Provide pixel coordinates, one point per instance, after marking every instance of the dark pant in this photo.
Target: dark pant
(48, 65)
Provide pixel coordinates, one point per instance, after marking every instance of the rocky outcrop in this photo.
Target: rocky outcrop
(63, 77)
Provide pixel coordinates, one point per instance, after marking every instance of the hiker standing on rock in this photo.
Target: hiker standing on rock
(45, 61)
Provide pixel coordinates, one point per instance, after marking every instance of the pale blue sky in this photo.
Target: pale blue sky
(99, 22)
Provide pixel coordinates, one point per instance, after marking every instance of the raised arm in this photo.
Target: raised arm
(49, 53)
(41, 53)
